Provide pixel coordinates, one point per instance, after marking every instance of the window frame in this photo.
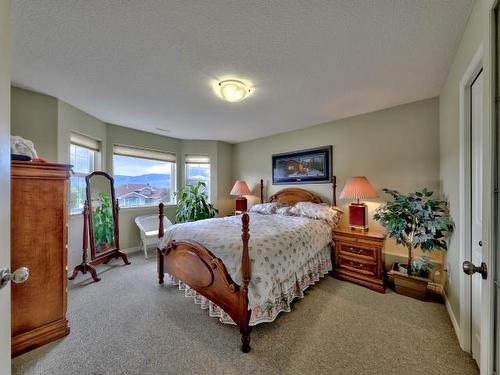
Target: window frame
(92, 168)
(128, 151)
(197, 159)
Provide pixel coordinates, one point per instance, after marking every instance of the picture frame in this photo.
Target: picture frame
(312, 166)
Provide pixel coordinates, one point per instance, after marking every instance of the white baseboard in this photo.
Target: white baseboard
(131, 250)
(453, 319)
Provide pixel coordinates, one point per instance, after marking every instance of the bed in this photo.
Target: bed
(242, 282)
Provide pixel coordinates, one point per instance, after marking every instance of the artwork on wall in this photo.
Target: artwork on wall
(303, 167)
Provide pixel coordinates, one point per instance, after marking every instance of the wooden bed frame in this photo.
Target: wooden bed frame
(197, 267)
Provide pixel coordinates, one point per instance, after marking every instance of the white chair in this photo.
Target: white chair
(148, 226)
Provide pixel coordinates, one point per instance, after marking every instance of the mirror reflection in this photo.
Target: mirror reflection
(101, 209)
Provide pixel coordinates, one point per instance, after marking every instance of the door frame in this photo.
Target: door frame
(5, 78)
(471, 244)
(494, 31)
(464, 227)
(481, 60)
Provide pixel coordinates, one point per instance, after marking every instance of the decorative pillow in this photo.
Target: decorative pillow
(265, 208)
(330, 214)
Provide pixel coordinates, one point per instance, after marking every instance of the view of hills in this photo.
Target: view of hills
(154, 179)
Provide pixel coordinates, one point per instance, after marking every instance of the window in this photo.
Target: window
(83, 154)
(143, 177)
(198, 169)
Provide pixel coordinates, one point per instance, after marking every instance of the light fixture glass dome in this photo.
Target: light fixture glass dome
(233, 90)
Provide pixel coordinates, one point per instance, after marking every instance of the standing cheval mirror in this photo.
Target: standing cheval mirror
(100, 224)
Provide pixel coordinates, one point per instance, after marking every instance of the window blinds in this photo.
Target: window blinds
(143, 153)
(84, 141)
(197, 159)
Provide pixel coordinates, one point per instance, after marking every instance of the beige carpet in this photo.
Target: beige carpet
(128, 324)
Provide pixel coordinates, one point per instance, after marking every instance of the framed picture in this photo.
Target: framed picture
(303, 167)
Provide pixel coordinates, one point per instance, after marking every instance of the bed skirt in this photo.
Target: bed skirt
(282, 295)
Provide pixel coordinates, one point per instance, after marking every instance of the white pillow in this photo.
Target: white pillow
(265, 208)
(285, 211)
(329, 214)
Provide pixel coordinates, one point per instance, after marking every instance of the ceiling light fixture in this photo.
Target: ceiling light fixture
(233, 90)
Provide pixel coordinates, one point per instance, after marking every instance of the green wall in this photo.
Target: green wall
(48, 122)
(396, 148)
(34, 116)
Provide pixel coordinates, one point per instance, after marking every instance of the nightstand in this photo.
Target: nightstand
(358, 257)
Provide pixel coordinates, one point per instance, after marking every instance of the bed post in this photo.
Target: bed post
(261, 190)
(334, 188)
(244, 313)
(161, 273)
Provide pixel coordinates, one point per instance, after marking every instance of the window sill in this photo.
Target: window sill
(145, 207)
(77, 214)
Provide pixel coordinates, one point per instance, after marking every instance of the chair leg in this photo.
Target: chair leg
(145, 250)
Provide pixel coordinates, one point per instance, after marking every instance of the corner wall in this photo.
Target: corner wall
(71, 119)
(225, 180)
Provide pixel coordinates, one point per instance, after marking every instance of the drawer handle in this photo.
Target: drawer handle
(356, 265)
(357, 251)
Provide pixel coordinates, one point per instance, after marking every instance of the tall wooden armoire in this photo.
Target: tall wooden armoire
(39, 233)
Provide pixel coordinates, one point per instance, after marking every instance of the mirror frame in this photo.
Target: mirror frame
(116, 232)
(88, 233)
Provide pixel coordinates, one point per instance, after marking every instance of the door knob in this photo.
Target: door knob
(470, 269)
(18, 276)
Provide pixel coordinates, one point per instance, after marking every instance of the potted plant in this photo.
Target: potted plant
(103, 223)
(422, 266)
(415, 221)
(193, 205)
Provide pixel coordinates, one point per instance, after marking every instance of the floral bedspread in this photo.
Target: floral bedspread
(281, 248)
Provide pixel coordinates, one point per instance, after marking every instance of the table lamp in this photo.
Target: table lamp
(240, 188)
(357, 188)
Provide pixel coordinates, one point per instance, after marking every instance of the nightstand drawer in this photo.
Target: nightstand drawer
(353, 250)
(351, 238)
(358, 265)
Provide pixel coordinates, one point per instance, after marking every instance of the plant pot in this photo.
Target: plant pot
(410, 286)
(402, 268)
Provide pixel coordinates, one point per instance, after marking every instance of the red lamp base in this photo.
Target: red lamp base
(241, 204)
(358, 216)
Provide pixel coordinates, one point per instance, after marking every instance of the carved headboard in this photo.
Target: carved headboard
(290, 196)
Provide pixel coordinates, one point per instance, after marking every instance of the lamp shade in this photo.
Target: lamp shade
(358, 187)
(240, 188)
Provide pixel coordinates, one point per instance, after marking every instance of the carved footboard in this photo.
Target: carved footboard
(196, 266)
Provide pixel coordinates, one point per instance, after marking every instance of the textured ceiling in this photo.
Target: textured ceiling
(147, 64)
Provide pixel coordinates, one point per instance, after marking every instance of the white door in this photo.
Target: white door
(4, 183)
(476, 96)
